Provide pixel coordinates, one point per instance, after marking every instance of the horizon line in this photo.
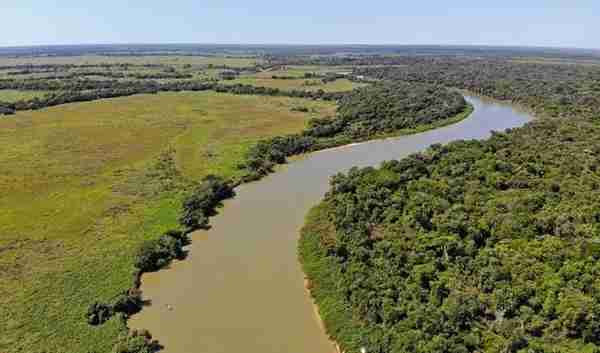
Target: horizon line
(534, 46)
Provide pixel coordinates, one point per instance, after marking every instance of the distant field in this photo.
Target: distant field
(340, 85)
(299, 82)
(187, 67)
(101, 73)
(148, 59)
(300, 70)
(557, 61)
(10, 95)
(81, 185)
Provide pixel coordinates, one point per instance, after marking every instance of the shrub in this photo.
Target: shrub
(129, 303)
(156, 254)
(203, 201)
(6, 110)
(137, 342)
(300, 109)
(261, 158)
(98, 313)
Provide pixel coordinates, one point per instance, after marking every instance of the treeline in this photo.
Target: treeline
(151, 256)
(408, 55)
(262, 157)
(471, 247)
(199, 205)
(332, 77)
(325, 78)
(366, 113)
(62, 75)
(89, 90)
(391, 106)
(58, 98)
(549, 89)
(158, 75)
(276, 92)
(30, 71)
(237, 70)
(73, 84)
(66, 67)
(283, 77)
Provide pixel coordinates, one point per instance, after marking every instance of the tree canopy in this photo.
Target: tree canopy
(475, 246)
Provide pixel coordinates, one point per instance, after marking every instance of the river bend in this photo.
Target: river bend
(241, 288)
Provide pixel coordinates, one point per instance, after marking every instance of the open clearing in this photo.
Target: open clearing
(81, 185)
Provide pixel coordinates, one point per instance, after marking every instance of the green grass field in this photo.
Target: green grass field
(82, 185)
(11, 95)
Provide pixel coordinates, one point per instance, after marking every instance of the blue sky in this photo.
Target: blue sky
(563, 23)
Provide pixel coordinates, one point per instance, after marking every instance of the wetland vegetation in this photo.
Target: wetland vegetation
(83, 185)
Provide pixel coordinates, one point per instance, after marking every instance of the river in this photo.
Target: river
(241, 288)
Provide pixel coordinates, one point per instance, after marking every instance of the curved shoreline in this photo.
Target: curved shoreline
(308, 281)
(469, 109)
(378, 150)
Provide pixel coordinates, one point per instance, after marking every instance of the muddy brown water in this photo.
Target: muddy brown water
(241, 288)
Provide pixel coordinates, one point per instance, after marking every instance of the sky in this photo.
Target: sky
(556, 23)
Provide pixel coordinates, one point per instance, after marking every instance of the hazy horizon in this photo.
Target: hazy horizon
(537, 23)
(259, 44)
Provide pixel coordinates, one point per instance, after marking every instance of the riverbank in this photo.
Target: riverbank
(315, 306)
(320, 273)
(83, 185)
(251, 249)
(143, 205)
(387, 278)
(468, 109)
(314, 236)
(404, 132)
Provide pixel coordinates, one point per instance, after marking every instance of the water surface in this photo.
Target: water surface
(241, 288)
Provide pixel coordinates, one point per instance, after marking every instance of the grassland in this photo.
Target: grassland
(11, 95)
(81, 185)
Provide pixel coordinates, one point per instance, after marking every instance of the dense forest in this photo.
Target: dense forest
(471, 247)
(392, 106)
(475, 246)
(549, 89)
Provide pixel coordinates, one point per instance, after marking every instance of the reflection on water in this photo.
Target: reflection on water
(241, 288)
